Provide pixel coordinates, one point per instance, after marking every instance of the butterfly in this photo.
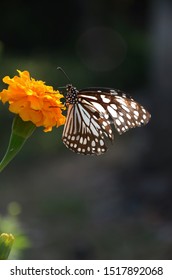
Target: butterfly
(91, 112)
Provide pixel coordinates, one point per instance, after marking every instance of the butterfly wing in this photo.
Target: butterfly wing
(84, 132)
(123, 111)
(88, 121)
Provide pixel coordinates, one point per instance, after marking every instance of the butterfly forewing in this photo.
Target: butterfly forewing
(90, 114)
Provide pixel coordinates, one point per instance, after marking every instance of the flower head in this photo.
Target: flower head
(33, 101)
(6, 242)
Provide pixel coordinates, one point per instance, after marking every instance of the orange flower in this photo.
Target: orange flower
(33, 101)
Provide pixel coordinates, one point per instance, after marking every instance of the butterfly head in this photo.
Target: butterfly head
(71, 97)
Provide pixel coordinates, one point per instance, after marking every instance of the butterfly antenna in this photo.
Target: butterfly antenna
(61, 69)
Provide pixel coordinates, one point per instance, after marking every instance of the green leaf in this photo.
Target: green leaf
(6, 242)
(20, 132)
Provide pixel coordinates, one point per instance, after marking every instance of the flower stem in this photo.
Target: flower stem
(20, 132)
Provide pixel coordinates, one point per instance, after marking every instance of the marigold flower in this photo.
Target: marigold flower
(33, 101)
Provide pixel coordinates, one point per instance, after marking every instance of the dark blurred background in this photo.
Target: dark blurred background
(61, 205)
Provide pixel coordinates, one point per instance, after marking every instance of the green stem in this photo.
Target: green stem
(21, 131)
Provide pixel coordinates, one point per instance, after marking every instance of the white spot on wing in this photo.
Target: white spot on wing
(118, 122)
(128, 116)
(81, 140)
(90, 96)
(112, 112)
(98, 107)
(114, 106)
(136, 113)
(121, 119)
(101, 142)
(105, 123)
(125, 108)
(93, 143)
(133, 105)
(105, 99)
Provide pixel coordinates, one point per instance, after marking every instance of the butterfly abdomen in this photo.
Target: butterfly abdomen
(71, 96)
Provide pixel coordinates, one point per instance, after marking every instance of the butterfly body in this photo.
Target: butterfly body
(71, 97)
(90, 114)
